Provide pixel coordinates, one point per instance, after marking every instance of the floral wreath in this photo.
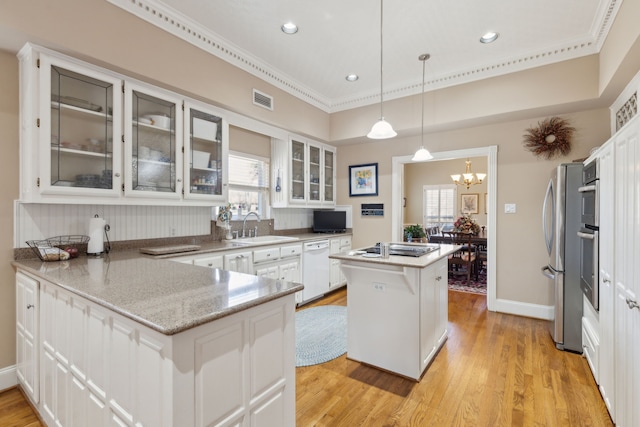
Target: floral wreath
(551, 138)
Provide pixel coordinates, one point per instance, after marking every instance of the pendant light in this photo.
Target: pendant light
(422, 154)
(381, 129)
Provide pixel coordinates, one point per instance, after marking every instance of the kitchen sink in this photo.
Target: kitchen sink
(262, 240)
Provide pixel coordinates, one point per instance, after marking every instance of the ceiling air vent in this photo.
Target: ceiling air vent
(262, 100)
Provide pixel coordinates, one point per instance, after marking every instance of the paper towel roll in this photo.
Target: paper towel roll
(96, 236)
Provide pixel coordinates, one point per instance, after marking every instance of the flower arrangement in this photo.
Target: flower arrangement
(466, 223)
(224, 214)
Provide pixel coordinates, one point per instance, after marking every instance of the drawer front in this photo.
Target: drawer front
(345, 241)
(268, 254)
(590, 346)
(290, 250)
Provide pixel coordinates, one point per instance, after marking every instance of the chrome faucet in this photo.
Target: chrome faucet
(244, 221)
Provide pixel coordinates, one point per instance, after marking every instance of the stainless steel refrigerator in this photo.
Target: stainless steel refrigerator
(561, 223)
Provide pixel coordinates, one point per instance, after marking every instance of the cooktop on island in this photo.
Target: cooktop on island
(405, 249)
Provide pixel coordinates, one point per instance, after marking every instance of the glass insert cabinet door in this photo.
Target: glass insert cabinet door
(80, 113)
(205, 154)
(152, 141)
(314, 173)
(329, 176)
(298, 155)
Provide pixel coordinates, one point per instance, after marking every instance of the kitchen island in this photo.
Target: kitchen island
(397, 307)
(128, 340)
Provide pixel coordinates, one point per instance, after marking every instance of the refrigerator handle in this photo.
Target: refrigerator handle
(548, 236)
(546, 271)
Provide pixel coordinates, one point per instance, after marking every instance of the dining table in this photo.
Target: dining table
(477, 239)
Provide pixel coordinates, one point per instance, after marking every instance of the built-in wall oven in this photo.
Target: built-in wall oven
(589, 248)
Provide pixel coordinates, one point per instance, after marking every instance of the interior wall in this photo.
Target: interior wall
(248, 142)
(9, 126)
(103, 34)
(522, 179)
(417, 175)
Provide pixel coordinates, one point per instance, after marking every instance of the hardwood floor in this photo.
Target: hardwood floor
(15, 411)
(494, 370)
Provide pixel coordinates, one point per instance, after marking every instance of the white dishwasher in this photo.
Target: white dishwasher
(315, 269)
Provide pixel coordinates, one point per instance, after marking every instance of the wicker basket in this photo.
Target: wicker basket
(53, 248)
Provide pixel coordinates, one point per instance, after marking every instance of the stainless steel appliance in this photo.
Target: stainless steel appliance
(589, 247)
(561, 223)
(400, 249)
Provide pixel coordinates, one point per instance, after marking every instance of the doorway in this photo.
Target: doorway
(397, 182)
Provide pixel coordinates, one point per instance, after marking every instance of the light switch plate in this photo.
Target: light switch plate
(510, 208)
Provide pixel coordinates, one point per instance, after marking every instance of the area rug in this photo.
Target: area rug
(459, 283)
(321, 334)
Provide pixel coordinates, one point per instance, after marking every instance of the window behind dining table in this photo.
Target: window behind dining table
(439, 205)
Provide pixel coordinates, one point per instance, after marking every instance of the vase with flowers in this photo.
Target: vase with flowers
(224, 216)
(466, 224)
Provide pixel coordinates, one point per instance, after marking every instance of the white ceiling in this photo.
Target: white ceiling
(338, 37)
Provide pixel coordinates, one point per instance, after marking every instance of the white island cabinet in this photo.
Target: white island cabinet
(397, 310)
(139, 342)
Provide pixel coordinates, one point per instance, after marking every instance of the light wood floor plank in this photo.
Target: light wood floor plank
(494, 370)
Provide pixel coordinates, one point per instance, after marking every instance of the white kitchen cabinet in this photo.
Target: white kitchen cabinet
(205, 153)
(336, 276)
(213, 261)
(414, 326)
(278, 262)
(84, 142)
(99, 368)
(626, 273)
(606, 315)
(305, 171)
(152, 141)
(70, 115)
(27, 344)
(242, 262)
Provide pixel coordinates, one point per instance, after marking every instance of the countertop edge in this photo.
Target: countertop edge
(402, 261)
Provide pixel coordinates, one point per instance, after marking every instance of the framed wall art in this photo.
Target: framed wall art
(363, 180)
(469, 203)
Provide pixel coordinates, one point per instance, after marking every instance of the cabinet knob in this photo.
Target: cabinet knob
(179, 180)
(606, 279)
(210, 264)
(30, 306)
(117, 174)
(438, 278)
(632, 304)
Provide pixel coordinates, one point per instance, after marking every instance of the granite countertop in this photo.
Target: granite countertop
(166, 296)
(401, 261)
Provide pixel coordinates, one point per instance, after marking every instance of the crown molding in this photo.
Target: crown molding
(185, 28)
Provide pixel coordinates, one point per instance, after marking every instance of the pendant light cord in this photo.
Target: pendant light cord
(381, 62)
(422, 123)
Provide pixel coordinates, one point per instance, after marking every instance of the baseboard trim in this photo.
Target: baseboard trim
(8, 377)
(537, 311)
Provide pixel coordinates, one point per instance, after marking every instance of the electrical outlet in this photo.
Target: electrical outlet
(379, 287)
(509, 208)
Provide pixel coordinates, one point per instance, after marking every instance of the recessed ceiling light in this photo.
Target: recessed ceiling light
(352, 77)
(289, 28)
(489, 37)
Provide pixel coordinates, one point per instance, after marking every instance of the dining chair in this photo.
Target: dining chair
(465, 256)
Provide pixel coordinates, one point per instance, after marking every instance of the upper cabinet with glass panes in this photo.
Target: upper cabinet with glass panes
(305, 171)
(83, 141)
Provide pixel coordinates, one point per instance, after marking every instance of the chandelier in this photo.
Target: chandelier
(470, 178)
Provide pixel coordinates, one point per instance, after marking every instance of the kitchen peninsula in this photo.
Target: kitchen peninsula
(128, 340)
(397, 310)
